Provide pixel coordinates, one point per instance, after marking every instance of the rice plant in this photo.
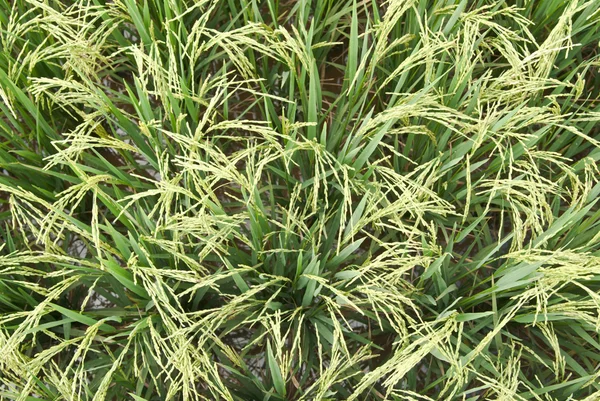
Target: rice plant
(299, 200)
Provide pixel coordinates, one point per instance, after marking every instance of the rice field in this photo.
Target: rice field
(300, 200)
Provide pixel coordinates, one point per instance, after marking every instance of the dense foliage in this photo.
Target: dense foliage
(299, 200)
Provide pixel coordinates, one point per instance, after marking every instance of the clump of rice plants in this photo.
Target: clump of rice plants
(299, 200)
